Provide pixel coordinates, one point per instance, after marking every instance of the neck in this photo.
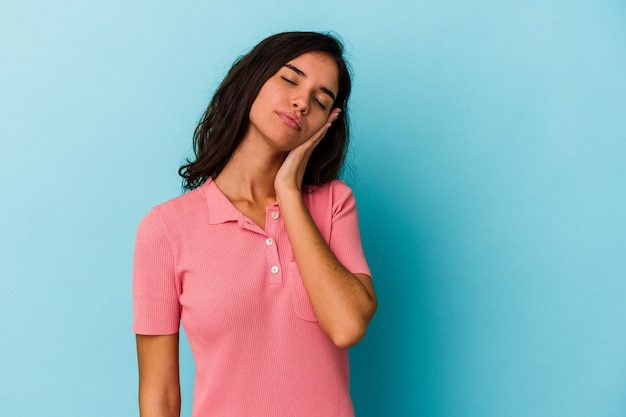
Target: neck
(250, 174)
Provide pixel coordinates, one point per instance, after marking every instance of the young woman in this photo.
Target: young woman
(261, 260)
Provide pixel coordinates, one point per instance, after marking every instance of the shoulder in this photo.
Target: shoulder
(179, 209)
(191, 200)
(336, 189)
(332, 196)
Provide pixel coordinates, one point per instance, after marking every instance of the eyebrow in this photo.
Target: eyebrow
(302, 74)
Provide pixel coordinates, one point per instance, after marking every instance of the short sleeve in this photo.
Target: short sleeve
(345, 238)
(155, 289)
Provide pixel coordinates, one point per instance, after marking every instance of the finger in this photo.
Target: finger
(334, 115)
(317, 137)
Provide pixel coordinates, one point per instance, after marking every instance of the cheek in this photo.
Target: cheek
(258, 109)
(262, 99)
(318, 121)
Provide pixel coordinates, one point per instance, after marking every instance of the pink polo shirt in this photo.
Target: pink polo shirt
(257, 346)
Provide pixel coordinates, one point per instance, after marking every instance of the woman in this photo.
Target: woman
(262, 260)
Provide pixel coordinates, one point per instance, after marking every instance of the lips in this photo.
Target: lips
(290, 120)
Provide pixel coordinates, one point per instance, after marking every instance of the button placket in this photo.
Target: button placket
(275, 274)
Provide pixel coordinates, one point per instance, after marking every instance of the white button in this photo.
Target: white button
(275, 215)
(269, 241)
(274, 269)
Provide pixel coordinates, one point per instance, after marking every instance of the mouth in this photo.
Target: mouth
(290, 120)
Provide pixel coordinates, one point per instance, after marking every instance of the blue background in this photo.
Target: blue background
(488, 163)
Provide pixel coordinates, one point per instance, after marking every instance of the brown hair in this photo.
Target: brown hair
(226, 119)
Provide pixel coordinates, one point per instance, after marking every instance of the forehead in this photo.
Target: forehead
(318, 67)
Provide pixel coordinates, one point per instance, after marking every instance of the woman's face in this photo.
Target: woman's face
(295, 102)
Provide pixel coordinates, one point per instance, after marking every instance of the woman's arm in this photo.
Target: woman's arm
(159, 384)
(344, 303)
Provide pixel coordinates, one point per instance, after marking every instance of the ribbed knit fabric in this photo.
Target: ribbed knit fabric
(258, 348)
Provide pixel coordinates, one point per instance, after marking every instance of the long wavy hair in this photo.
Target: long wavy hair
(226, 119)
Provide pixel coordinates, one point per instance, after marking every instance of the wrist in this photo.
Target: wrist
(288, 197)
(287, 190)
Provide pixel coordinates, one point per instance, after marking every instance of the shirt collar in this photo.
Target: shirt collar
(221, 210)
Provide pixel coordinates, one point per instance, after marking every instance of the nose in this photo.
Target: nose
(300, 103)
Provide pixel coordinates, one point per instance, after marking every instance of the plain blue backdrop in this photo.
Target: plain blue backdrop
(488, 161)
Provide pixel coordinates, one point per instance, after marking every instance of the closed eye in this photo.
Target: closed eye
(294, 83)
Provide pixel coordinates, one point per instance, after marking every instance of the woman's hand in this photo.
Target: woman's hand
(291, 172)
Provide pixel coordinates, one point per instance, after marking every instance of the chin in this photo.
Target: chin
(285, 144)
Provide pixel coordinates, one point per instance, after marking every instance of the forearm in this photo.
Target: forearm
(159, 382)
(343, 302)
